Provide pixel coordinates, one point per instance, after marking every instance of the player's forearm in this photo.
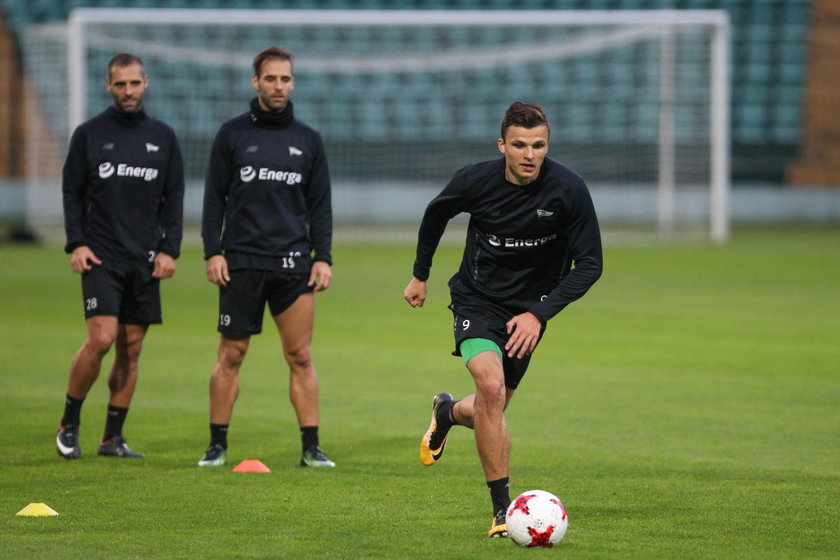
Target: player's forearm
(172, 218)
(73, 199)
(73, 220)
(435, 220)
(426, 247)
(212, 219)
(321, 236)
(213, 210)
(319, 203)
(571, 288)
(170, 242)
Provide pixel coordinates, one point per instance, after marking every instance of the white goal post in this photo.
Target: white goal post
(645, 88)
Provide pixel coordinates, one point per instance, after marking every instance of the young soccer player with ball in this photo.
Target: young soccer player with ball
(533, 246)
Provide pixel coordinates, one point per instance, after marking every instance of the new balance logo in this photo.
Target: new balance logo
(151, 147)
(294, 151)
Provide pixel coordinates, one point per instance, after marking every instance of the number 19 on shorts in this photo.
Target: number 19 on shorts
(289, 262)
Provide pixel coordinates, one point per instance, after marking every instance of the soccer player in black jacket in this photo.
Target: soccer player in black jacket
(123, 190)
(267, 230)
(533, 246)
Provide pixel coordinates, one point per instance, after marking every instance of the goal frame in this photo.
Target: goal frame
(716, 20)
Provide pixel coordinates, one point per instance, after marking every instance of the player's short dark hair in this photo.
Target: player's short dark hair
(124, 59)
(272, 53)
(526, 115)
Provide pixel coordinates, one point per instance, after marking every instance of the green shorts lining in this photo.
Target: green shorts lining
(471, 347)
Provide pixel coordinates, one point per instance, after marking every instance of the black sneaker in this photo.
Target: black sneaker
(116, 447)
(67, 442)
(434, 440)
(499, 526)
(314, 457)
(215, 456)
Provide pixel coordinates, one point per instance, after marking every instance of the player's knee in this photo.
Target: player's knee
(299, 357)
(491, 390)
(131, 348)
(232, 354)
(99, 342)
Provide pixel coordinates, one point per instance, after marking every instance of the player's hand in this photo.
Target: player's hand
(217, 270)
(415, 293)
(524, 333)
(320, 276)
(82, 259)
(164, 266)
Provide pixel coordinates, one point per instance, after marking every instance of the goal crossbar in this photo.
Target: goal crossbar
(536, 18)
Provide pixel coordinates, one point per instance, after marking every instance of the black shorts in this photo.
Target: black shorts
(242, 301)
(477, 317)
(124, 290)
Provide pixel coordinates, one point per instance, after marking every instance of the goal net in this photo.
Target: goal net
(637, 100)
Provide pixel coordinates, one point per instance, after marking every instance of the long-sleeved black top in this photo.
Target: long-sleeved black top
(123, 187)
(522, 241)
(267, 194)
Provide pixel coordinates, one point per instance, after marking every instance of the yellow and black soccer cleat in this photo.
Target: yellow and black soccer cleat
(434, 440)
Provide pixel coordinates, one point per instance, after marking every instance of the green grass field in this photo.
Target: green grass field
(687, 407)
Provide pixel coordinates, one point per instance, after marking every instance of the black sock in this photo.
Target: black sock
(218, 435)
(309, 437)
(499, 494)
(445, 416)
(72, 412)
(114, 421)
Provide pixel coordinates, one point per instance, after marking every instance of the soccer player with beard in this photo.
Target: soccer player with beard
(533, 246)
(267, 231)
(123, 190)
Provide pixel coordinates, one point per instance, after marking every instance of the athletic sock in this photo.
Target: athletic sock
(72, 412)
(309, 437)
(114, 421)
(445, 416)
(218, 434)
(499, 493)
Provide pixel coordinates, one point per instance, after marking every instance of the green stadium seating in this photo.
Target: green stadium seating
(769, 42)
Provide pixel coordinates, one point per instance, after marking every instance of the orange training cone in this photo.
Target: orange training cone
(251, 465)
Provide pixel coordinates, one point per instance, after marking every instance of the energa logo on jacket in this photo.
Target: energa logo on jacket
(107, 169)
(248, 173)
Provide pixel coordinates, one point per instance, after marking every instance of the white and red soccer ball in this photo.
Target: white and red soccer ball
(536, 518)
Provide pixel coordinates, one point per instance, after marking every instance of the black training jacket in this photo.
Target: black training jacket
(530, 248)
(123, 188)
(267, 196)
